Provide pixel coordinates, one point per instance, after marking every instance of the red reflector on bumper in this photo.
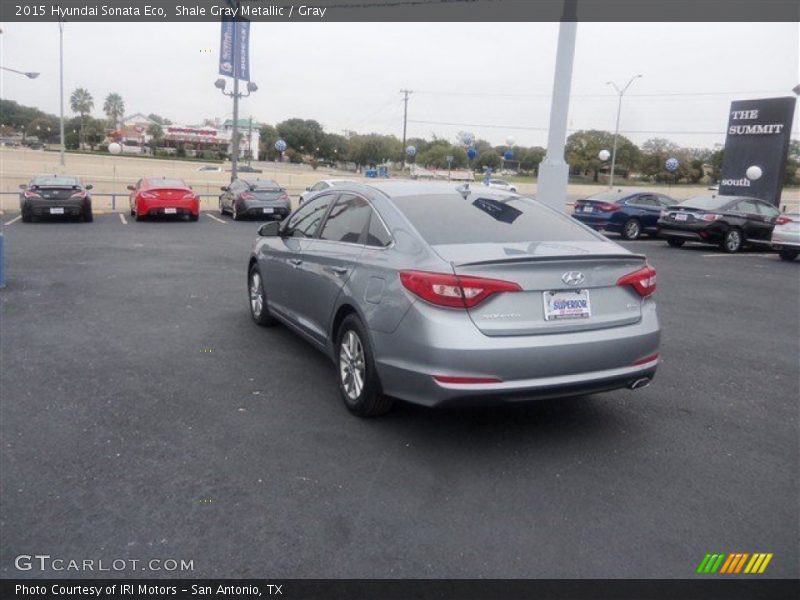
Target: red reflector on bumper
(646, 359)
(465, 380)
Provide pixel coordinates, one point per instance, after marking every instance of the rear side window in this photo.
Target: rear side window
(347, 220)
(376, 234)
(304, 222)
(766, 209)
(453, 219)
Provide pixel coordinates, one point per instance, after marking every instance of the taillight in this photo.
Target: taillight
(79, 195)
(606, 206)
(29, 194)
(711, 217)
(248, 196)
(189, 196)
(148, 195)
(456, 291)
(284, 196)
(664, 214)
(643, 281)
(783, 220)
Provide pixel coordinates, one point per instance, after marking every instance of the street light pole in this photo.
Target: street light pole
(554, 171)
(61, 85)
(406, 94)
(621, 93)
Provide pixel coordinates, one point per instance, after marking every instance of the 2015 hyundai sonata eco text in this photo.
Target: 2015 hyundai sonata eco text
(441, 295)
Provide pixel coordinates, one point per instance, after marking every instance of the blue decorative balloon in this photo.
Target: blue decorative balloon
(671, 165)
(411, 150)
(472, 153)
(466, 138)
(508, 155)
(280, 146)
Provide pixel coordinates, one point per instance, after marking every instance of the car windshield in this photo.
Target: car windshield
(480, 218)
(706, 202)
(55, 180)
(166, 183)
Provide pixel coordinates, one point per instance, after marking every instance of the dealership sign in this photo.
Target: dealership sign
(757, 136)
(234, 49)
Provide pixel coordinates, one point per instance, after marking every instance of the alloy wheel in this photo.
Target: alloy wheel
(256, 295)
(632, 230)
(352, 364)
(733, 240)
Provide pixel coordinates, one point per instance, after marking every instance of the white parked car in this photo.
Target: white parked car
(786, 235)
(319, 186)
(502, 184)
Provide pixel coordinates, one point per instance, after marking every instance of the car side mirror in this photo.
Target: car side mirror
(271, 229)
(308, 189)
(89, 187)
(22, 186)
(224, 188)
(131, 188)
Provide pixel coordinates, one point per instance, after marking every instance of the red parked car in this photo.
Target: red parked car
(162, 196)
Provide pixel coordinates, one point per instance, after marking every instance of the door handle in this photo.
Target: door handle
(296, 261)
(339, 270)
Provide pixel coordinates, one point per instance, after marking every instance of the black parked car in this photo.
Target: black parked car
(731, 222)
(55, 195)
(254, 198)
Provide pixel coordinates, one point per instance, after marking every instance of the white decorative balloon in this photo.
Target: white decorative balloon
(115, 148)
(510, 141)
(604, 155)
(753, 173)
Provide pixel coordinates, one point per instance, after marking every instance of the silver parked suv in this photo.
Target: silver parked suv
(442, 295)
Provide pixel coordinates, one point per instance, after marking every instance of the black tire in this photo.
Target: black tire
(370, 400)
(194, 218)
(675, 242)
(235, 213)
(88, 217)
(26, 216)
(632, 229)
(139, 217)
(733, 240)
(262, 317)
(788, 254)
(133, 213)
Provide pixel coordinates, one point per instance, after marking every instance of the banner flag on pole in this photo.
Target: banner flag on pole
(235, 42)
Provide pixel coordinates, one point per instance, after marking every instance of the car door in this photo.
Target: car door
(768, 214)
(282, 264)
(750, 219)
(330, 260)
(649, 209)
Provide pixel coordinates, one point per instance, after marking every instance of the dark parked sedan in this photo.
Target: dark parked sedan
(628, 214)
(55, 195)
(254, 198)
(730, 222)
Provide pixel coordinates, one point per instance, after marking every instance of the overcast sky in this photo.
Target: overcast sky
(495, 78)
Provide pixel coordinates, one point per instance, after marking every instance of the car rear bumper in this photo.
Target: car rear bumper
(42, 208)
(258, 210)
(598, 221)
(153, 208)
(783, 239)
(431, 342)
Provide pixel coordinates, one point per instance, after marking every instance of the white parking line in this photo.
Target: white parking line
(209, 215)
(123, 219)
(745, 254)
(14, 220)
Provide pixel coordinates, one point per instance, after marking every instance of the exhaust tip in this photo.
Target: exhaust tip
(639, 383)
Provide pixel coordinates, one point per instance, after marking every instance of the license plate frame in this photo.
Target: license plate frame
(170, 211)
(268, 211)
(578, 306)
(681, 217)
(56, 210)
(588, 209)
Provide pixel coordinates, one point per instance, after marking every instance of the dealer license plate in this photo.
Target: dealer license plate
(57, 211)
(269, 211)
(681, 217)
(571, 304)
(170, 211)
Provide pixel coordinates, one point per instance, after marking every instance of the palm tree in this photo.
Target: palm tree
(156, 133)
(81, 102)
(114, 107)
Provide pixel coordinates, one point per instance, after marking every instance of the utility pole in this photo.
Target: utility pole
(406, 94)
(250, 141)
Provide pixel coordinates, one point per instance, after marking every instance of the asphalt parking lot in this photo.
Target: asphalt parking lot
(144, 415)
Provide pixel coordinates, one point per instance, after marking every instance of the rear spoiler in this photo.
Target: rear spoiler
(554, 258)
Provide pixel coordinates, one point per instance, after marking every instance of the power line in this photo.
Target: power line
(529, 128)
(609, 96)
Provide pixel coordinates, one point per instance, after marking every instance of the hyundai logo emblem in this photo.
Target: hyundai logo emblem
(573, 278)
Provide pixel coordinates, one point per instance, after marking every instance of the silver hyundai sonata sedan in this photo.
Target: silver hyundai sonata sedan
(441, 295)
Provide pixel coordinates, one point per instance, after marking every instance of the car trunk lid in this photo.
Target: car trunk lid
(582, 274)
(56, 192)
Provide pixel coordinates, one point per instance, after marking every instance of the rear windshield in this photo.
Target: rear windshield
(452, 219)
(56, 180)
(263, 185)
(166, 183)
(608, 196)
(706, 202)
